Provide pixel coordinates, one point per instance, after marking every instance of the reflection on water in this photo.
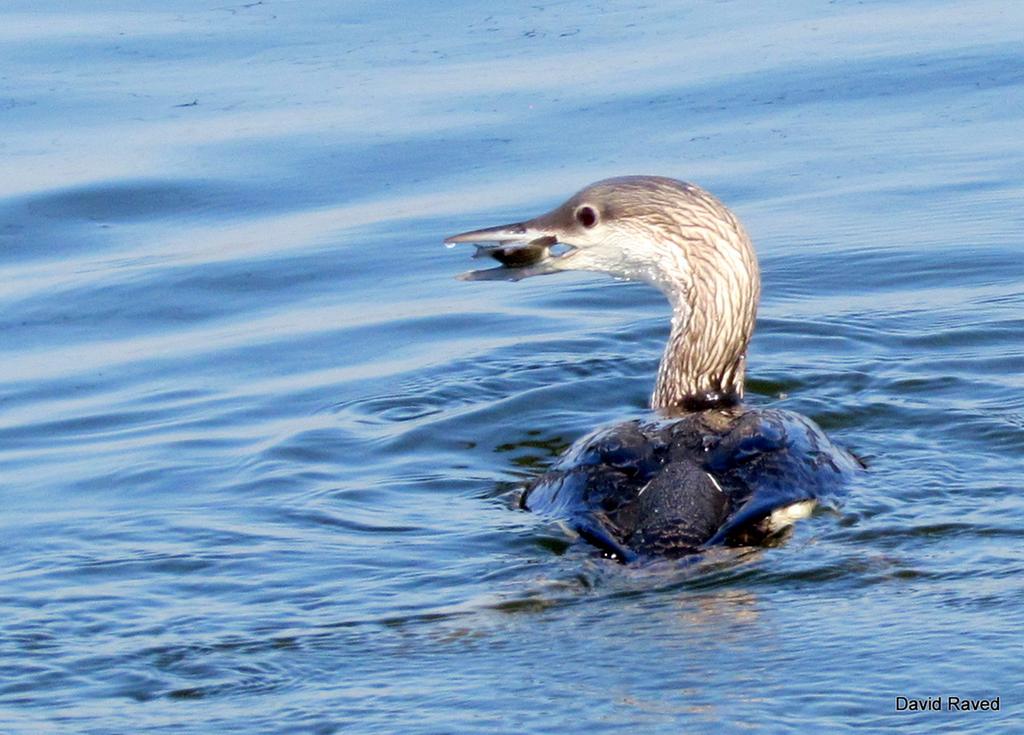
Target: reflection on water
(259, 450)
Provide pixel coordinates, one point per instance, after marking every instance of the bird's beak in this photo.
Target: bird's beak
(522, 248)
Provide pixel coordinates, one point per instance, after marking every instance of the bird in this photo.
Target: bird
(704, 469)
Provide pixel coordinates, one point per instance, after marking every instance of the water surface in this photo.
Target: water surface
(259, 450)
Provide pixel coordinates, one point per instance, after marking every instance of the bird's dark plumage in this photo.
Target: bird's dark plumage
(674, 487)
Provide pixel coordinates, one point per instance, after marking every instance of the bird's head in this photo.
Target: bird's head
(668, 233)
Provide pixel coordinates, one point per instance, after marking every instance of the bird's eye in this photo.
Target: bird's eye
(586, 216)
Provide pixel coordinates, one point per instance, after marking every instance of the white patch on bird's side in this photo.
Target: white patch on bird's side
(789, 515)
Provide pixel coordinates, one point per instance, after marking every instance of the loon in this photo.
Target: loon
(706, 469)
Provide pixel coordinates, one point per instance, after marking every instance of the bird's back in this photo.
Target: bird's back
(675, 487)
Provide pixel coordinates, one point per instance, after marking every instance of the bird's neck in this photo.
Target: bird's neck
(692, 376)
(713, 314)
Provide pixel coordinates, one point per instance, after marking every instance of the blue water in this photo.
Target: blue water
(259, 450)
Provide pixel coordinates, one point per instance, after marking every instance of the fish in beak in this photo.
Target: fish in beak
(522, 252)
(523, 249)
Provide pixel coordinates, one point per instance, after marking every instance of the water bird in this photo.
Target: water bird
(706, 469)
